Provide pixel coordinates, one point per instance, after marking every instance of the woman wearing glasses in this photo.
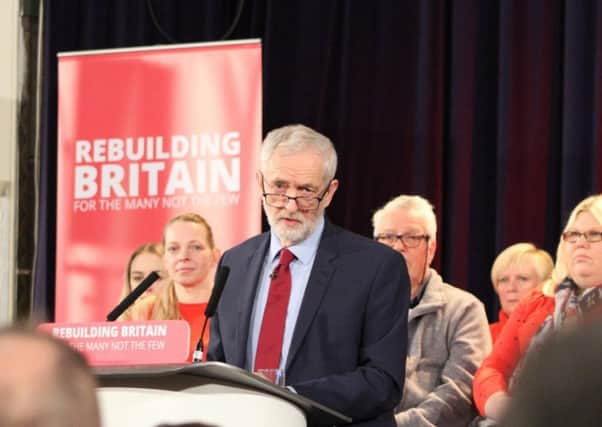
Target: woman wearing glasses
(516, 271)
(577, 280)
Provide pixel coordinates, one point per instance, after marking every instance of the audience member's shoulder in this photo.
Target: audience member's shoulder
(458, 293)
(535, 298)
(147, 300)
(459, 296)
(142, 309)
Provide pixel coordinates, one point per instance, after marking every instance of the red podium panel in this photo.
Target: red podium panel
(126, 343)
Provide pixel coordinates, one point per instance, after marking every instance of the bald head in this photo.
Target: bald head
(44, 382)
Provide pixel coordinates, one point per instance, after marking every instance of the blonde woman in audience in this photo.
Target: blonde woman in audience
(516, 271)
(577, 299)
(190, 259)
(145, 259)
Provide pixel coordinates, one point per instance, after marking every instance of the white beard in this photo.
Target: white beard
(292, 235)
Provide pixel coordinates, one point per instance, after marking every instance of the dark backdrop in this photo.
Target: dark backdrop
(491, 110)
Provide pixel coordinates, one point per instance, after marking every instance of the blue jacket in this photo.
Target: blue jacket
(348, 349)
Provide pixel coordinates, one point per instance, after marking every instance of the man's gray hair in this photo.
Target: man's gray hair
(295, 138)
(417, 205)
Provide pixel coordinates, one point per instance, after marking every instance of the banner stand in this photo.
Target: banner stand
(146, 134)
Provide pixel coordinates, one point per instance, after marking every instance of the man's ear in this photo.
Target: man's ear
(431, 251)
(259, 179)
(332, 188)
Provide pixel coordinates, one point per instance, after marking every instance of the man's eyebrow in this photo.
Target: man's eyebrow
(308, 187)
(304, 186)
(278, 181)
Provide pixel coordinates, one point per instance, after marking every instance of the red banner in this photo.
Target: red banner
(146, 134)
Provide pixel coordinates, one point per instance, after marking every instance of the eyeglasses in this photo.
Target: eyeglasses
(280, 200)
(590, 236)
(408, 240)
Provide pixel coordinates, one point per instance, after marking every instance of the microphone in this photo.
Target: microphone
(133, 296)
(218, 286)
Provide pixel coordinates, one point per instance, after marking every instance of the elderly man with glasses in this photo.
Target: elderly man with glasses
(448, 333)
(308, 304)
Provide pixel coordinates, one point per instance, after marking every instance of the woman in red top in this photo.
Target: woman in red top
(190, 259)
(577, 277)
(516, 271)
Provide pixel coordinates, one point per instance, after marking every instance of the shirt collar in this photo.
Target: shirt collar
(303, 251)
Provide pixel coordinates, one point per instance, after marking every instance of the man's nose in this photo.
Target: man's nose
(399, 246)
(294, 207)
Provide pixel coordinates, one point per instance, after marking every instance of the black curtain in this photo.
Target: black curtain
(491, 110)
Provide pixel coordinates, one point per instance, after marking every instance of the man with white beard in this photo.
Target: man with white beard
(325, 308)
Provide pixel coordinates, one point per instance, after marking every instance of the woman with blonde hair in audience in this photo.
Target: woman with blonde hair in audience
(190, 259)
(577, 284)
(145, 259)
(516, 271)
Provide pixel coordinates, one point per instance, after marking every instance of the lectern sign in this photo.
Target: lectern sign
(126, 343)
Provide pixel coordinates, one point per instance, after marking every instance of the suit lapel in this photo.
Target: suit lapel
(319, 280)
(247, 295)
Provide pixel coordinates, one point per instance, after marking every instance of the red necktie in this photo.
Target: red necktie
(269, 345)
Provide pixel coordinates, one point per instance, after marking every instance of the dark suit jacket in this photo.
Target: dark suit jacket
(349, 345)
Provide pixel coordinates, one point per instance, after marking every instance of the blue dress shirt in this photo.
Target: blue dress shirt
(305, 253)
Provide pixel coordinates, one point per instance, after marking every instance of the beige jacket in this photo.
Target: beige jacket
(448, 338)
